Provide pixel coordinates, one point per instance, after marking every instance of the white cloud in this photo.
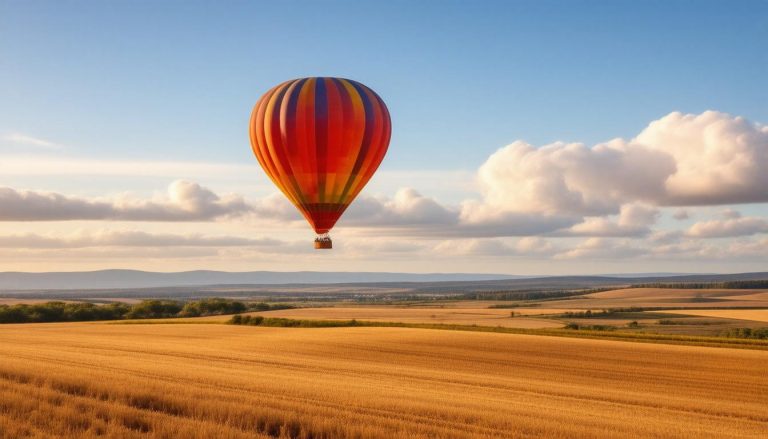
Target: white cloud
(678, 160)
(735, 226)
(407, 208)
(184, 201)
(719, 158)
(411, 214)
(275, 207)
(565, 178)
(612, 189)
(749, 249)
(602, 248)
(633, 220)
(26, 140)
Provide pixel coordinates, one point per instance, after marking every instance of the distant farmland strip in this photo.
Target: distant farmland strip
(728, 285)
(692, 340)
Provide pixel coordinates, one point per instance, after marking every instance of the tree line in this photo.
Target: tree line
(758, 333)
(530, 294)
(727, 285)
(146, 309)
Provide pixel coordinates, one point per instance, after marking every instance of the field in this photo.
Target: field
(651, 310)
(176, 377)
(200, 381)
(465, 315)
(666, 297)
(755, 315)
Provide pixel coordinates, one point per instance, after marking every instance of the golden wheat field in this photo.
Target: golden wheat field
(205, 381)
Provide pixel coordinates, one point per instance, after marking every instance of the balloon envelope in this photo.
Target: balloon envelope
(320, 140)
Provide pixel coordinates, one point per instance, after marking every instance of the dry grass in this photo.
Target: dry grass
(757, 315)
(203, 381)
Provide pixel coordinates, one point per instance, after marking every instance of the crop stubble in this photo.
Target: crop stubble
(89, 379)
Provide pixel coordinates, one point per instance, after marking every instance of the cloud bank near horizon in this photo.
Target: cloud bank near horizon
(609, 195)
(183, 201)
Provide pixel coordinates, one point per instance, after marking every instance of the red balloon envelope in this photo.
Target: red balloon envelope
(320, 140)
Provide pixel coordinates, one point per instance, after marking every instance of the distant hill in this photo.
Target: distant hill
(110, 279)
(196, 284)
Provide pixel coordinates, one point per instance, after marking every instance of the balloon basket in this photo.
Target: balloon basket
(323, 242)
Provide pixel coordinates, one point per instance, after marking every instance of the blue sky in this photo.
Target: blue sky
(172, 81)
(461, 78)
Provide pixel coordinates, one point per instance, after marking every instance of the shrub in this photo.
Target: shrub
(209, 307)
(154, 309)
(261, 306)
(148, 309)
(758, 333)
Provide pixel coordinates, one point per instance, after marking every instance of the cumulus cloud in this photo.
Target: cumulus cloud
(407, 208)
(734, 226)
(571, 178)
(678, 160)
(276, 207)
(719, 158)
(665, 237)
(602, 248)
(409, 213)
(184, 201)
(633, 220)
(750, 249)
(612, 189)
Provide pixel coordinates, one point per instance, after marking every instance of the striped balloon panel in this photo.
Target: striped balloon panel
(320, 140)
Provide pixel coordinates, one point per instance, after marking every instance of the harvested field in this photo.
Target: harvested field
(664, 297)
(455, 316)
(672, 293)
(201, 381)
(756, 315)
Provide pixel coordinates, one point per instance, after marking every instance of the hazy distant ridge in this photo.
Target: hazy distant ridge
(10, 281)
(132, 279)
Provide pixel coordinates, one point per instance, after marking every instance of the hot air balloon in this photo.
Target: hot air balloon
(320, 140)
